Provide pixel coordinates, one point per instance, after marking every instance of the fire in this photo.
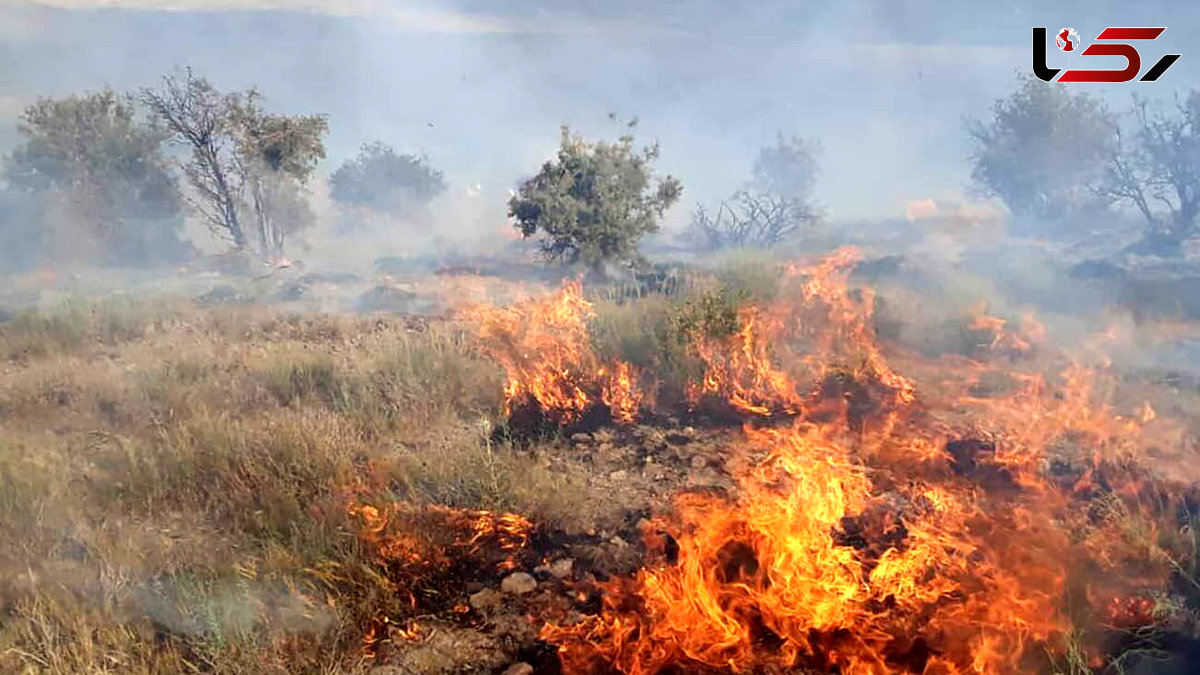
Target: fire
(415, 549)
(621, 393)
(1002, 340)
(546, 352)
(880, 531)
(818, 324)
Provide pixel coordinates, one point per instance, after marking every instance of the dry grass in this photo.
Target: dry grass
(174, 481)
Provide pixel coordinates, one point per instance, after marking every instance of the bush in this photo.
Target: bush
(594, 202)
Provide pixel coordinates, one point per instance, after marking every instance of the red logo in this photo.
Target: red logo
(1068, 40)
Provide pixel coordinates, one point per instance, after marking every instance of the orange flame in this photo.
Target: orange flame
(818, 312)
(1004, 340)
(544, 347)
(890, 538)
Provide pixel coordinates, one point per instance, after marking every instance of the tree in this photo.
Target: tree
(237, 147)
(1042, 150)
(89, 159)
(594, 201)
(1156, 169)
(752, 219)
(277, 154)
(198, 116)
(786, 169)
(775, 203)
(383, 180)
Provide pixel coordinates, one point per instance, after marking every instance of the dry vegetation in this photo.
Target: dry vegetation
(174, 481)
(182, 489)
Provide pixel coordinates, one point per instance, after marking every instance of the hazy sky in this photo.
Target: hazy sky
(483, 86)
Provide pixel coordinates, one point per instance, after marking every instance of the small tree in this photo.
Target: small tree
(237, 147)
(198, 117)
(89, 155)
(1042, 149)
(774, 204)
(786, 169)
(277, 154)
(757, 219)
(594, 201)
(385, 181)
(1156, 169)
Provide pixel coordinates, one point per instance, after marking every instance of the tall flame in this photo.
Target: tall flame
(877, 533)
(546, 352)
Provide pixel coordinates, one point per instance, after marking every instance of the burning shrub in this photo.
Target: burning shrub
(554, 374)
(894, 545)
(815, 321)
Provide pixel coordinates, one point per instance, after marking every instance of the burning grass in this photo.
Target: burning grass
(747, 478)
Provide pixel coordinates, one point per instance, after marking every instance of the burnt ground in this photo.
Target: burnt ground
(492, 626)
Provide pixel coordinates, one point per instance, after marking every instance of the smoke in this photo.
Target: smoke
(481, 88)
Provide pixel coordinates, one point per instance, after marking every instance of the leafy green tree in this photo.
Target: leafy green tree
(104, 174)
(278, 154)
(1042, 150)
(594, 201)
(383, 180)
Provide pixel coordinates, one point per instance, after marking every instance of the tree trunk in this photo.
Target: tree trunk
(228, 204)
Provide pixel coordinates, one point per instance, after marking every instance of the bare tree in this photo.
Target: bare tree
(774, 203)
(238, 148)
(197, 116)
(753, 219)
(1157, 170)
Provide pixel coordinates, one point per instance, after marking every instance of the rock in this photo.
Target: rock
(518, 583)
(562, 568)
(387, 299)
(618, 542)
(291, 292)
(617, 475)
(703, 478)
(699, 462)
(580, 438)
(220, 295)
(655, 439)
(519, 669)
(488, 598)
(329, 278)
(452, 649)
